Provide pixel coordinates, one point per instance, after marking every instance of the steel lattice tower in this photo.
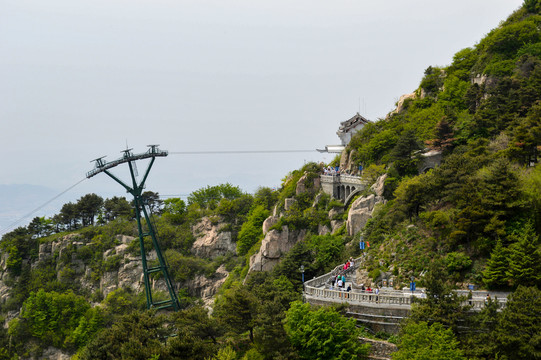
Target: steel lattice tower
(136, 190)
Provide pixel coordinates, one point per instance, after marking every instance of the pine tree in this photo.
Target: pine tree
(402, 154)
(517, 334)
(443, 133)
(525, 259)
(495, 274)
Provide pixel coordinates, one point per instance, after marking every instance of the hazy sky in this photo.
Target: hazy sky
(81, 79)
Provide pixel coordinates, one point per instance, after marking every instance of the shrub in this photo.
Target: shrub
(457, 261)
(251, 230)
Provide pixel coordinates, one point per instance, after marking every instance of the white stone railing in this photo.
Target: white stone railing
(343, 179)
(353, 297)
(317, 288)
(329, 178)
(351, 179)
(383, 299)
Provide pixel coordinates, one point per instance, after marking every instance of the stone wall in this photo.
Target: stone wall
(379, 349)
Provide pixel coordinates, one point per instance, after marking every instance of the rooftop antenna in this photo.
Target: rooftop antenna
(136, 190)
(364, 107)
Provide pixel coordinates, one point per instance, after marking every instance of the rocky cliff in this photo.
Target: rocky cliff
(361, 209)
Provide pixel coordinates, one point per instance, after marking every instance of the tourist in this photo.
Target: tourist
(346, 295)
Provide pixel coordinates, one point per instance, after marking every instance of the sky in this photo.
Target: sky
(83, 79)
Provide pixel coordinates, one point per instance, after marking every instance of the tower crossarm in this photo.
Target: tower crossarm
(102, 165)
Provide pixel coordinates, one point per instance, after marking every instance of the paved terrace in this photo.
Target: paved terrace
(387, 308)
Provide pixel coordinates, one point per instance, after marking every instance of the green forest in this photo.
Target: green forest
(475, 219)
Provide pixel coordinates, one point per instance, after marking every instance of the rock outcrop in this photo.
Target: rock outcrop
(347, 162)
(211, 241)
(206, 288)
(336, 224)
(52, 353)
(275, 244)
(362, 208)
(323, 230)
(288, 203)
(270, 222)
(130, 271)
(4, 289)
(304, 184)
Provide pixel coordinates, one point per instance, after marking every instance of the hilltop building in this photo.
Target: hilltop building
(345, 132)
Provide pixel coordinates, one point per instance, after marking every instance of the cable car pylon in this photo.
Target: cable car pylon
(136, 190)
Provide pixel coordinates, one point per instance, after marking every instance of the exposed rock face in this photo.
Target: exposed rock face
(334, 213)
(347, 163)
(4, 289)
(304, 185)
(336, 224)
(130, 272)
(479, 79)
(52, 353)
(357, 220)
(270, 222)
(317, 200)
(275, 244)
(206, 288)
(211, 240)
(288, 203)
(323, 230)
(378, 186)
(403, 98)
(344, 159)
(362, 277)
(361, 210)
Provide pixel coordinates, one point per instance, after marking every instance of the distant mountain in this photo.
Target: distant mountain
(18, 200)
